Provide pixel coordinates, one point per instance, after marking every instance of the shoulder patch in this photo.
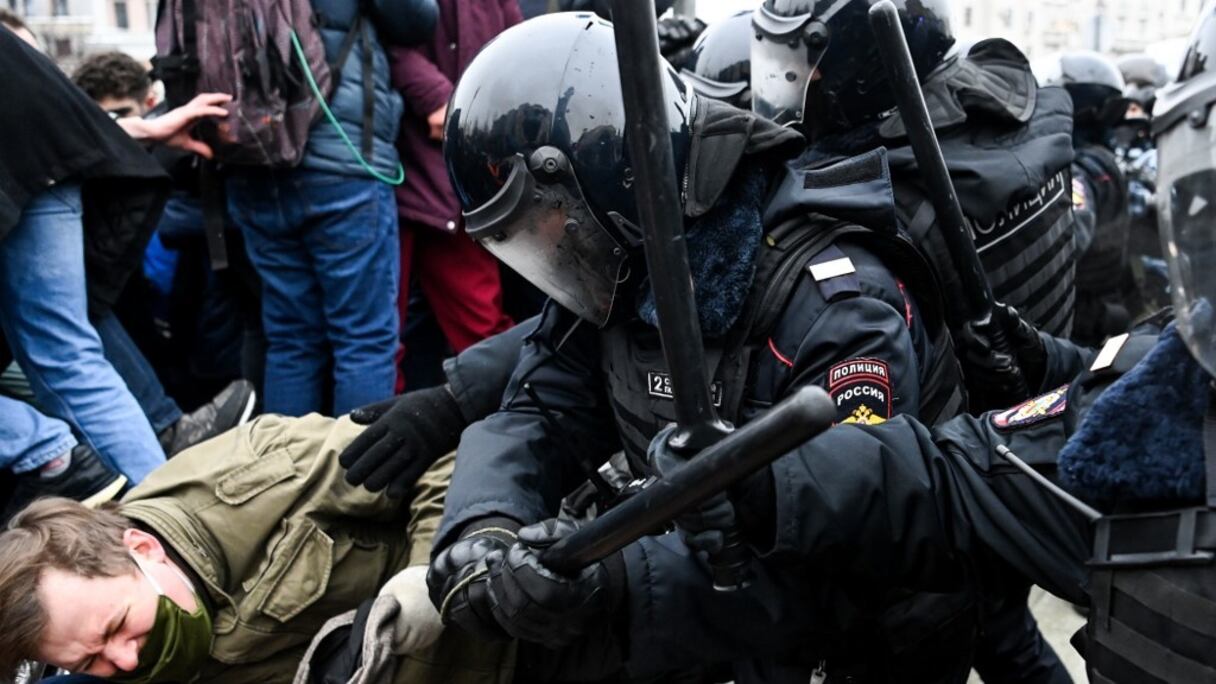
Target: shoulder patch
(1033, 411)
(861, 389)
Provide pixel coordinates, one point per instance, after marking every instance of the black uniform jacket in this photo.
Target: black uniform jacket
(890, 505)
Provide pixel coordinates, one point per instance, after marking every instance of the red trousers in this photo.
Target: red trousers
(460, 281)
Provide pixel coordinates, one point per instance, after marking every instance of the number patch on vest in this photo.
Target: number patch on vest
(659, 385)
(861, 389)
(1033, 411)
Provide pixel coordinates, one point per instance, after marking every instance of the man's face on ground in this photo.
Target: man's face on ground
(97, 626)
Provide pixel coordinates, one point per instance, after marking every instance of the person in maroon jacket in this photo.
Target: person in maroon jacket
(461, 280)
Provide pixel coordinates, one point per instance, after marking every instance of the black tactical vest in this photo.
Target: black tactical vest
(636, 373)
(1008, 146)
(1152, 591)
(1152, 582)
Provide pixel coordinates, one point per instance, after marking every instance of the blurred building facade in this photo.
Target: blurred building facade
(73, 29)
(1041, 27)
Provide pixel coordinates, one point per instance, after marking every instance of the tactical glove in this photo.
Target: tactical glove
(459, 576)
(406, 435)
(536, 604)
(997, 380)
(703, 528)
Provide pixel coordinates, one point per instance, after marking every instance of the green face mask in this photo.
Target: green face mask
(176, 646)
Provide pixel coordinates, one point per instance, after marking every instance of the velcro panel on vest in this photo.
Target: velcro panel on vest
(1153, 625)
(833, 271)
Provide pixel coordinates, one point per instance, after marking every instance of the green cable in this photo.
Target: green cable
(333, 120)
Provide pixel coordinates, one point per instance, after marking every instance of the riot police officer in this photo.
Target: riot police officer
(1006, 142)
(1099, 491)
(801, 277)
(720, 63)
(1099, 192)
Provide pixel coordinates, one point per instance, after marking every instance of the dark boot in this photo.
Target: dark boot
(230, 408)
(86, 479)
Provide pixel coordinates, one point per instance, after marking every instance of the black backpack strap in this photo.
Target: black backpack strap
(348, 44)
(358, 33)
(779, 267)
(211, 190)
(179, 69)
(369, 95)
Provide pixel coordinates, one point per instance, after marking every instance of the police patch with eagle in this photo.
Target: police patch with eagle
(861, 390)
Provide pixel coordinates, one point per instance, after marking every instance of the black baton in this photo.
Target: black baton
(657, 194)
(901, 72)
(798, 418)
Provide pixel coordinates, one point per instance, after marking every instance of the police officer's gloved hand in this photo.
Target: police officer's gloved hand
(703, 528)
(406, 435)
(749, 505)
(676, 38)
(995, 379)
(459, 577)
(541, 606)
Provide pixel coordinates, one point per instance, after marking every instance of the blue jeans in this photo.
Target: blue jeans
(28, 439)
(325, 246)
(44, 314)
(136, 372)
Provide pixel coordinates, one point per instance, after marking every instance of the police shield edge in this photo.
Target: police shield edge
(910, 100)
(726, 455)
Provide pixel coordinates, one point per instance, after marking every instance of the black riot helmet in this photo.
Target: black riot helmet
(1093, 81)
(1184, 130)
(815, 62)
(720, 63)
(535, 147)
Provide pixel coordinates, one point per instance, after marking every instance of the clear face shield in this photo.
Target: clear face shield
(785, 54)
(547, 233)
(1187, 212)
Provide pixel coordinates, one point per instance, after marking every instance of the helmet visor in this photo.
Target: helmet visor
(1187, 196)
(548, 234)
(785, 53)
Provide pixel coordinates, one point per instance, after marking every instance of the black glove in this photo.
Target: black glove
(703, 528)
(997, 380)
(459, 576)
(407, 434)
(676, 37)
(536, 604)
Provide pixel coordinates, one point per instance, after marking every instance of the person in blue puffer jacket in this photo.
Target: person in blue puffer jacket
(323, 235)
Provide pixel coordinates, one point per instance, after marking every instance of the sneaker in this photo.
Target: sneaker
(86, 480)
(230, 408)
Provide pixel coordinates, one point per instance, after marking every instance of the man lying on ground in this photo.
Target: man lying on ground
(222, 565)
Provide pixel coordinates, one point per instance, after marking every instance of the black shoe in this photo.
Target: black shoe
(230, 408)
(86, 480)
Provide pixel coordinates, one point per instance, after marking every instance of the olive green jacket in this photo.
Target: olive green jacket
(263, 515)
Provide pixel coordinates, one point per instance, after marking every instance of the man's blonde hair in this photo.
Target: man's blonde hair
(58, 534)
